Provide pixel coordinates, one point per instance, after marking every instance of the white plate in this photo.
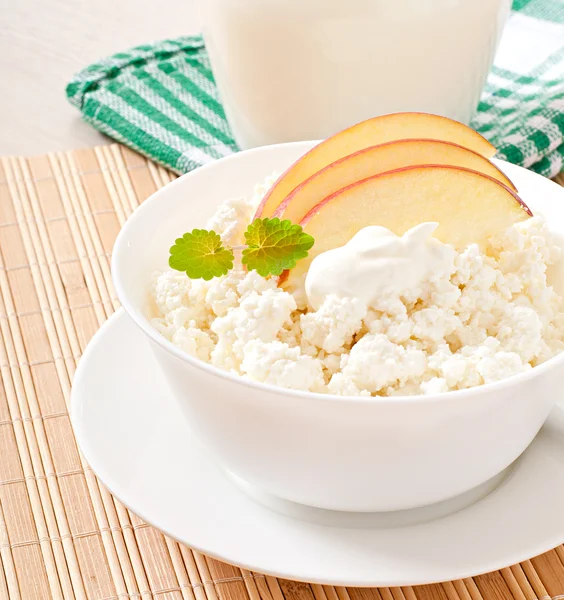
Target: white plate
(135, 438)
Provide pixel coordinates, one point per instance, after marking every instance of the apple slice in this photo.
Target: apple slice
(379, 159)
(470, 207)
(387, 128)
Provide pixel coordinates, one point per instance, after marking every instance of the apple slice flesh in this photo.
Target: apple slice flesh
(470, 207)
(380, 159)
(379, 130)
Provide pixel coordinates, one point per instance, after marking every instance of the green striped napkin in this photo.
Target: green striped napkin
(161, 100)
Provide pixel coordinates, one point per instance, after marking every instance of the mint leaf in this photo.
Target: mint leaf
(201, 255)
(274, 245)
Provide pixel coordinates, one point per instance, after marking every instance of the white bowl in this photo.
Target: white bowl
(353, 454)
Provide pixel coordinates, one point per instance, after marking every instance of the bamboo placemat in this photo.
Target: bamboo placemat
(62, 535)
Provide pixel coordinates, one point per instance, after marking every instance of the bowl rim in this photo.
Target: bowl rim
(144, 322)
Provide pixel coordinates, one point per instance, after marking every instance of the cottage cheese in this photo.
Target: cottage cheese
(476, 317)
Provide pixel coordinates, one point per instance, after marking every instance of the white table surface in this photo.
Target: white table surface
(44, 42)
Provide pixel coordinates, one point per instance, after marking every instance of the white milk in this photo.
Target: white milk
(304, 69)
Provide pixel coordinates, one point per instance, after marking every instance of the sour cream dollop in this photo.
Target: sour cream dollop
(375, 262)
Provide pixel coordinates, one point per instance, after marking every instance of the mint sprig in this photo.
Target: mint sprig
(272, 246)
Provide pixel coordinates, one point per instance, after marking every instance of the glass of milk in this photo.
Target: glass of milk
(304, 69)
